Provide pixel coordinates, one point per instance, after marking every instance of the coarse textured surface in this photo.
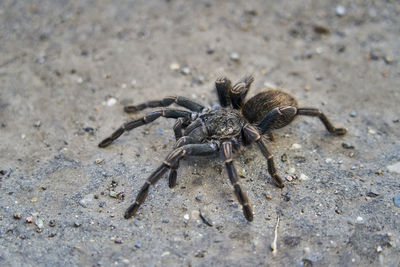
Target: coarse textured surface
(68, 67)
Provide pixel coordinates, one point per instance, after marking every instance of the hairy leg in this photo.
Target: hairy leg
(233, 177)
(167, 113)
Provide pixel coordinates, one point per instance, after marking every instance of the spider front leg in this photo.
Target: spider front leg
(223, 86)
(233, 177)
(179, 100)
(317, 113)
(172, 160)
(167, 113)
(239, 91)
(253, 135)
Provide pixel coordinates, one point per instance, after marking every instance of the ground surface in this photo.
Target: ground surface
(62, 65)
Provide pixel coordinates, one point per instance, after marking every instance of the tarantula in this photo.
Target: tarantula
(204, 131)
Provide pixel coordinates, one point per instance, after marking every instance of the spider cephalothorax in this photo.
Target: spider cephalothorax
(202, 131)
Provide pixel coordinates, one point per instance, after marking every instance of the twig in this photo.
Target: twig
(274, 246)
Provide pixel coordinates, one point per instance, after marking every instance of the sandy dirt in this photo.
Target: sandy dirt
(67, 68)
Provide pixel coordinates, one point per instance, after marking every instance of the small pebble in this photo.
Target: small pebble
(118, 241)
(29, 219)
(39, 223)
(340, 10)
(199, 198)
(284, 157)
(185, 70)
(218, 240)
(186, 216)
(37, 124)
(52, 223)
(296, 146)
(77, 224)
(394, 168)
(379, 249)
(371, 131)
(138, 245)
(304, 177)
(388, 60)
(396, 200)
(174, 66)
(79, 80)
(360, 219)
(371, 194)
(289, 178)
(234, 56)
(347, 146)
(379, 172)
(165, 221)
(99, 161)
(328, 160)
(111, 101)
(17, 216)
(353, 113)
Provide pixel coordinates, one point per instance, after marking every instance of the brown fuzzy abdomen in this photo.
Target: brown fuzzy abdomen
(255, 109)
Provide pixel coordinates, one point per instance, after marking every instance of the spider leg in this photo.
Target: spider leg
(223, 86)
(233, 177)
(277, 118)
(239, 91)
(252, 133)
(172, 174)
(171, 160)
(179, 125)
(167, 113)
(179, 100)
(317, 113)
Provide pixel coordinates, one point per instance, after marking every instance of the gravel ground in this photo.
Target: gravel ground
(68, 67)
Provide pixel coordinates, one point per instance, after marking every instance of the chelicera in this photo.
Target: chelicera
(222, 129)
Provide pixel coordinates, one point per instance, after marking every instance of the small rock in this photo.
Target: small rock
(296, 146)
(284, 157)
(52, 223)
(210, 50)
(347, 146)
(185, 70)
(303, 177)
(118, 240)
(218, 240)
(371, 131)
(396, 200)
(340, 10)
(353, 113)
(37, 124)
(174, 66)
(77, 224)
(186, 216)
(88, 129)
(371, 194)
(234, 56)
(360, 219)
(321, 29)
(39, 223)
(395, 168)
(328, 160)
(388, 60)
(138, 245)
(200, 254)
(99, 161)
(165, 221)
(199, 198)
(379, 172)
(379, 249)
(29, 219)
(289, 178)
(111, 101)
(17, 216)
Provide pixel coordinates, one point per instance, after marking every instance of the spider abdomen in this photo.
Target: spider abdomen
(255, 109)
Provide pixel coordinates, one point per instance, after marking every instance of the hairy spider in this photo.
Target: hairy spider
(203, 131)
